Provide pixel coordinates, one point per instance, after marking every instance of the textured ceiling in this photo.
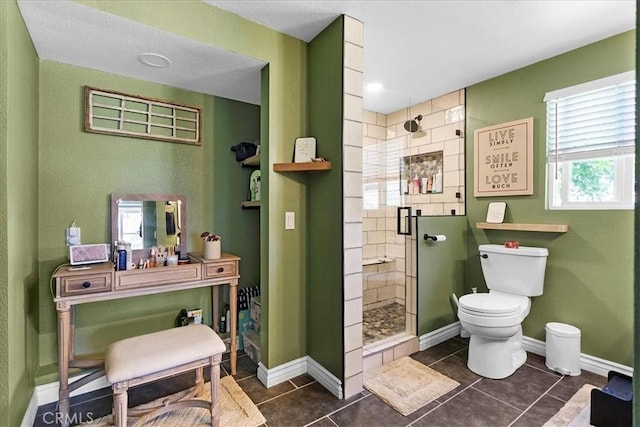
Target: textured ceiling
(416, 49)
(67, 32)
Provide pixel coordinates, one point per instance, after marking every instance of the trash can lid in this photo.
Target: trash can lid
(562, 329)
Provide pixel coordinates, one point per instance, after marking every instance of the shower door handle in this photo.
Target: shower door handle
(399, 228)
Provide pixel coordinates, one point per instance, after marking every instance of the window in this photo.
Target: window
(590, 144)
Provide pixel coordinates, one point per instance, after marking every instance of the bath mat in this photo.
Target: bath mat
(237, 410)
(407, 385)
(576, 412)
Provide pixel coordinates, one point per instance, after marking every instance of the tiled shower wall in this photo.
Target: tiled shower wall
(385, 144)
(382, 248)
(441, 118)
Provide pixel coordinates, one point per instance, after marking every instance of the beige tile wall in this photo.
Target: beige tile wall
(442, 117)
(371, 233)
(352, 206)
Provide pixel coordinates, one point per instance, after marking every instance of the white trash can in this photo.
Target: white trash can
(563, 348)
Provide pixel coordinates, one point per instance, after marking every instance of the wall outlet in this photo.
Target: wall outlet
(289, 220)
(73, 236)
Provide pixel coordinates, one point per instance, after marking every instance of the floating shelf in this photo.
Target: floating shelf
(302, 167)
(548, 228)
(252, 161)
(250, 204)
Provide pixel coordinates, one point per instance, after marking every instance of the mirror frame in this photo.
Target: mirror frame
(137, 254)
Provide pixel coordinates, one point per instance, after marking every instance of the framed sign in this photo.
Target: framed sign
(304, 150)
(503, 159)
(495, 212)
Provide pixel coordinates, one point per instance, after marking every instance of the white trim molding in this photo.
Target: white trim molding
(47, 393)
(434, 338)
(324, 377)
(282, 373)
(270, 377)
(587, 362)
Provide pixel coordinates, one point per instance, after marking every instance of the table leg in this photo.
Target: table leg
(215, 307)
(233, 299)
(64, 348)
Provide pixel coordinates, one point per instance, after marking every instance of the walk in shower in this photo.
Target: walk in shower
(413, 165)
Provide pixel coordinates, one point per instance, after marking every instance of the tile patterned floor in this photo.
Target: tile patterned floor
(383, 322)
(529, 397)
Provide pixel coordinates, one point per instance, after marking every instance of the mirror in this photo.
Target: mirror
(147, 220)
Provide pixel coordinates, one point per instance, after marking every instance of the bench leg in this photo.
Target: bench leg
(199, 386)
(215, 384)
(120, 403)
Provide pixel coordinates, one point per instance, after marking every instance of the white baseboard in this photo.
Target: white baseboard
(587, 362)
(282, 373)
(439, 335)
(29, 416)
(295, 368)
(324, 377)
(47, 393)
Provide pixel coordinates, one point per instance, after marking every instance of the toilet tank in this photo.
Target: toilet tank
(516, 271)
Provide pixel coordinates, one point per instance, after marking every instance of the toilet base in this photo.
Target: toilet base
(496, 358)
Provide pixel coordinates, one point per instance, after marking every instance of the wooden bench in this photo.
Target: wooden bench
(150, 357)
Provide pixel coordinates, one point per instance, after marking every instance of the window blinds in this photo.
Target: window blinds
(591, 121)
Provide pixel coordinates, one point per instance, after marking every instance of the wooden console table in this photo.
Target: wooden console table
(99, 282)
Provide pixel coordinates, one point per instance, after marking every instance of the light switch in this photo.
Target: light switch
(289, 220)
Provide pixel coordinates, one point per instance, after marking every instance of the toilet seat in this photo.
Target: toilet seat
(492, 304)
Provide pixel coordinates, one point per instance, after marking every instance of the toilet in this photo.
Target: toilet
(494, 319)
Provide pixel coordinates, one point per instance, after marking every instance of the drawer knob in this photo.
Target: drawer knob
(86, 285)
(220, 269)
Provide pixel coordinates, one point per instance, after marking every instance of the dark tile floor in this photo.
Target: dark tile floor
(529, 397)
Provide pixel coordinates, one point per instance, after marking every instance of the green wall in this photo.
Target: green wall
(285, 253)
(325, 242)
(18, 215)
(589, 281)
(441, 269)
(235, 122)
(78, 171)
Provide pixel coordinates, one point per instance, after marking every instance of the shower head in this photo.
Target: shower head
(413, 125)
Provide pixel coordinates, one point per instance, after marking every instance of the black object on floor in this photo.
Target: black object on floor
(612, 405)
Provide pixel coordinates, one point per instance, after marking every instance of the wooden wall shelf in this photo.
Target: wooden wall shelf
(302, 167)
(548, 228)
(249, 204)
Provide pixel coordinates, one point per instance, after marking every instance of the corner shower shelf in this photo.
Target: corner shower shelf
(548, 228)
(302, 167)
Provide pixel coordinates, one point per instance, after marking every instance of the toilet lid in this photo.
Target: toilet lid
(490, 304)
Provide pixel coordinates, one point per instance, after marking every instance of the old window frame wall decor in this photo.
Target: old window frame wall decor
(116, 113)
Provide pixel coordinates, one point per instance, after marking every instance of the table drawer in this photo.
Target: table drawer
(89, 284)
(150, 277)
(220, 269)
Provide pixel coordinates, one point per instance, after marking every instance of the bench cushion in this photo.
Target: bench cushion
(146, 354)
